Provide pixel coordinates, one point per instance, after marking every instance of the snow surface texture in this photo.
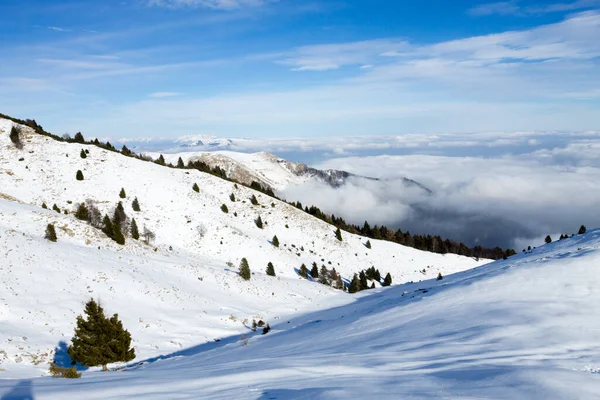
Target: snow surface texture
(524, 328)
(182, 290)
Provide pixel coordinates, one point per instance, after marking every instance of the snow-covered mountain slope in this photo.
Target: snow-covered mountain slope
(182, 290)
(524, 328)
(274, 172)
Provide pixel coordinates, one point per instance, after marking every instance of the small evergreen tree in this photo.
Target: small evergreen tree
(440, 277)
(368, 244)
(50, 233)
(270, 269)
(388, 280)
(548, 239)
(266, 329)
(232, 197)
(275, 241)
(258, 221)
(254, 200)
(245, 269)
(118, 235)
(82, 154)
(364, 285)
(196, 188)
(99, 340)
(338, 234)
(108, 227)
(161, 160)
(79, 138)
(324, 276)
(582, 230)
(180, 163)
(303, 271)
(135, 234)
(15, 138)
(224, 208)
(55, 208)
(79, 175)
(135, 205)
(122, 193)
(314, 272)
(339, 284)
(44, 206)
(354, 285)
(82, 212)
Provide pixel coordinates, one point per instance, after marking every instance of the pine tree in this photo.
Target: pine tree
(372, 285)
(108, 227)
(368, 245)
(44, 206)
(135, 205)
(224, 208)
(324, 276)
(118, 235)
(79, 138)
(270, 269)
(275, 241)
(354, 285)
(50, 233)
(254, 200)
(338, 234)
(303, 271)
(196, 188)
(180, 163)
(82, 212)
(548, 239)
(79, 175)
(122, 193)
(582, 230)
(119, 216)
(82, 154)
(55, 208)
(14, 137)
(258, 221)
(161, 160)
(232, 197)
(135, 234)
(387, 281)
(245, 269)
(440, 277)
(100, 340)
(363, 281)
(314, 272)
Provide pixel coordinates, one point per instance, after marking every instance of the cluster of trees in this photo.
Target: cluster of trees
(116, 227)
(429, 243)
(434, 244)
(360, 281)
(581, 231)
(329, 277)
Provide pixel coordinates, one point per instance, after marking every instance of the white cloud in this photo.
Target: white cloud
(159, 95)
(334, 56)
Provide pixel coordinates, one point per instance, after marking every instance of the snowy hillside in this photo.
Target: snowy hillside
(524, 328)
(182, 290)
(275, 172)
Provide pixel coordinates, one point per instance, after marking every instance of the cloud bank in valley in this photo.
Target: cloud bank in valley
(506, 199)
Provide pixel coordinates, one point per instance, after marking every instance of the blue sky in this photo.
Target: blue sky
(267, 68)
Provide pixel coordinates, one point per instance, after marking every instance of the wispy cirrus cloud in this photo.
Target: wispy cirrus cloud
(160, 95)
(212, 4)
(515, 8)
(334, 56)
